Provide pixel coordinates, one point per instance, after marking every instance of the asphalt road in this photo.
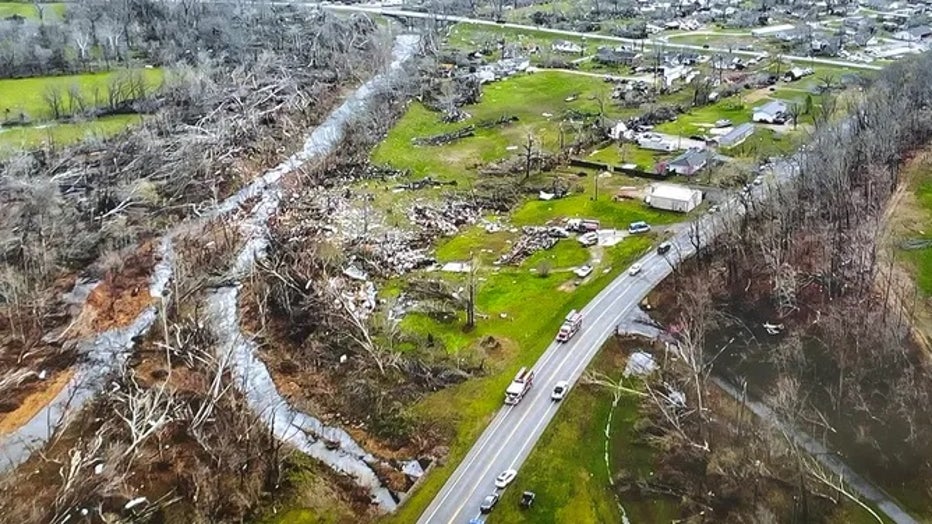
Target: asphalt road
(399, 13)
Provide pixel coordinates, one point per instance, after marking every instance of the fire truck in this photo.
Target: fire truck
(570, 326)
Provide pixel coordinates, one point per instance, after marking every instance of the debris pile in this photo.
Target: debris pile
(533, 239)
(640, 364)
(393, 254)
(353, 172)
(358, 297)
(657, 116)
(446, 219)
(463, 132)
(422, 183)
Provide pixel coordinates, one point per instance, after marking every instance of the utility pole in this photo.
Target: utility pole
(471, 284)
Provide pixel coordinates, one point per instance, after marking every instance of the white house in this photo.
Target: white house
(655, 143)
(673, 197)
(565, 46)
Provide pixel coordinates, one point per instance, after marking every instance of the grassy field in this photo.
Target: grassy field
(28, 10)
(527, 96)
(701, 119)
(922, 258)
(469, 37)
(913, 220)
(721, 41)
(617, 154)
(27, 94)
(612, 214)
(16, 138)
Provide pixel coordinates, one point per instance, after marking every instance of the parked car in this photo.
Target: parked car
(589, 239)
(722, 123)
(635, 269)
(527, 499)
(488, 503)
(583, 271)
(559, 391)
(664, 247)
(638, 227)
(505, 478)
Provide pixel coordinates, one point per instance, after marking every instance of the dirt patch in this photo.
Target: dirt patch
(568, 287)
(34, 401)
(119, 298)
(757, 94)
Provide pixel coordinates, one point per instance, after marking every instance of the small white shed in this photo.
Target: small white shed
(672, 197)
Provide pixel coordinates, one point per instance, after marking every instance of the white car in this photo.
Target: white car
(502, 481)
(635, 269)
(559, 391)
(583, 271)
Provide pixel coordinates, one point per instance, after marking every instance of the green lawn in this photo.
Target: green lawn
(28, 10)
(765, 143)
(701, 119)
(721, 41)
(612, 214)
(616, 154)
(527, 96)
(474, 241)
(568, 253)
(469, 37)
(27, 95)
(16, 138)
(921, 259)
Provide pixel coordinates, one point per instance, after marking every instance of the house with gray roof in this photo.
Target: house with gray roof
(773, 112)
(689, 163)
(737, 135)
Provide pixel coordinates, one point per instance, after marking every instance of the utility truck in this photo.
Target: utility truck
(571, 325)
(519, 386)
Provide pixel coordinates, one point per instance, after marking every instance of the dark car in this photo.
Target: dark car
(488, 503)
(664, 247)
(527, 499)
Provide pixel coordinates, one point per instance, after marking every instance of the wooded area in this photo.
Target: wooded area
(848, 368)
